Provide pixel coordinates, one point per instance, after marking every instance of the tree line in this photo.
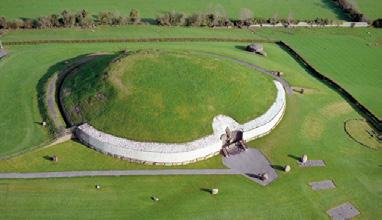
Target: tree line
(215, 17)
(68, 19)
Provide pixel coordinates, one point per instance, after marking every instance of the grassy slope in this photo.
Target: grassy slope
(313, 124)
(165, 96)
(144, 31)
(150, 8)
(351, 58)
(27, 65)
(371, 8)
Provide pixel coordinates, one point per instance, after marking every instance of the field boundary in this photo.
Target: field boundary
(375, 121)
(137, 40)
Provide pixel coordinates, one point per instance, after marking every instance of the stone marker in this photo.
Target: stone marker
(43, 123)
(214, 191)
(287, 168)
(325, 184)
(154, 198)
(344, 211)
(304, 158)
(264, 176)
(97, 186)
(54, 158)
(312, 163)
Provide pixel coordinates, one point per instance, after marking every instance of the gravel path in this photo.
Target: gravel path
(251, 163)
(119, 173)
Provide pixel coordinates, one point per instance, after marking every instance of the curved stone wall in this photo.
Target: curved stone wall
(177, 154)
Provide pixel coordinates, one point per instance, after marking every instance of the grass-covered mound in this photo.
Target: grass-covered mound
(164, 96)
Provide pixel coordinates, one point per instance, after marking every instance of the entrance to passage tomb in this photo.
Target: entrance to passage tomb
(232, 142)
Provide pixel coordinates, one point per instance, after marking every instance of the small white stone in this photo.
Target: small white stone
(304, 158)
(214, 191)
(287, 168)
(43, 123)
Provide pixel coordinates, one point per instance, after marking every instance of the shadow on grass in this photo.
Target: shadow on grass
(241, 47)
(47, 157)
(205, 190)
(278, 167)
(294, 157)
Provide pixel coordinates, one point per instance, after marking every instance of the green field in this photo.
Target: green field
(164, 96)
(307, 9)
(313, 124)
(371, 8)
(24, 64)
(349, 57)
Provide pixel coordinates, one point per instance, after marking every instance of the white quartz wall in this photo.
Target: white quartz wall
(184, 153)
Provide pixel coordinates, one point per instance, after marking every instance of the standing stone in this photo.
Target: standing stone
(287, 168)
(98, 187)
(43, 123)
(214, 191)
(264, 176)
(304, 158)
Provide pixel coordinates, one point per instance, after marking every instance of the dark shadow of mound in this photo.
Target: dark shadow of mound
(41, 87)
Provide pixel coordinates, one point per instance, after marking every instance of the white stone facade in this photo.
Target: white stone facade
(184, 153)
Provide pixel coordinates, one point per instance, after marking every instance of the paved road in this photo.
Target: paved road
(119, 173)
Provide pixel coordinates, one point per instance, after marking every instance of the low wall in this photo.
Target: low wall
(180, 154)
(304, 24)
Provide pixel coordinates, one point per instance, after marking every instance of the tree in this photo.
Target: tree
(105, 17)
(134, 16)
(68, 19)
(246, 15)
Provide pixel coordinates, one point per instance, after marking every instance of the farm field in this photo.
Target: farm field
(308, 9)
(352, 58)
(372, 9)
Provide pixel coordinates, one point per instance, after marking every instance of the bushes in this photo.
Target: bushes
(68, 19)
(378, 23)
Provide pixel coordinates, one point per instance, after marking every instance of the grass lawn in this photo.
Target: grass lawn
(307, 9)
(350, 57)
(313, 124)
(117, 32)
(26, 66)
(371, 8)
(165, 96)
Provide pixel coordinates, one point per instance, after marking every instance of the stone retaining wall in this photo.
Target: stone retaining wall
(180, 154)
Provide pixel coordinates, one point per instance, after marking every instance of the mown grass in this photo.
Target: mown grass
(144, 31)
(165, 96)
(24, 67)
(349, 57)
(307, 9)
(371, 8)
(313, 125)
(75, 156)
